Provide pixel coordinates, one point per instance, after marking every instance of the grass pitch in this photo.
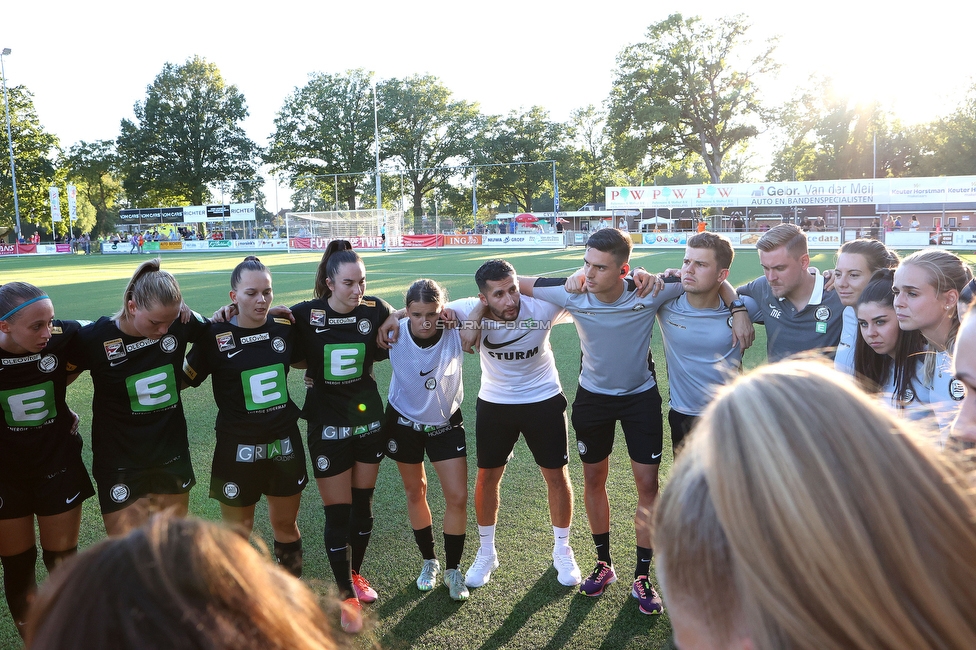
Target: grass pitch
(523, 606)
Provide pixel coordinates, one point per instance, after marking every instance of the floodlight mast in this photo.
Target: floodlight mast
(10, 144)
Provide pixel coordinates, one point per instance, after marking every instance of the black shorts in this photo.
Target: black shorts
(241, 473)
(542, 423)
(595, 418)
(120, 489)
(681, 426)
(56, 492)
(407, 441)
(334, 448)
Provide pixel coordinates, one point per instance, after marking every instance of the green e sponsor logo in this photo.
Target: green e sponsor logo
(344, 361)
(152, 390)
(29, 407)
(264, 387)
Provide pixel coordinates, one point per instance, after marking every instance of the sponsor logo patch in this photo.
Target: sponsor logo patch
(114, 349)
(225, 341)
(254, 338)
(317, 318)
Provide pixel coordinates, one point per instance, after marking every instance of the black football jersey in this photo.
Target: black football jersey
(250, 376)
(137, 415)
(35, 437)
(340, 350)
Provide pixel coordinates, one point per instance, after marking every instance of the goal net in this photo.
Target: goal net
(363, 228)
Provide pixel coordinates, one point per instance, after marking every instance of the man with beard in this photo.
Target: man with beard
(799, 314)
(520, 395)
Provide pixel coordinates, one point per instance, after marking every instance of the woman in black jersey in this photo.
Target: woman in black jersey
(41, 472)
(141, 456)
(337, 331)
(423, 414)
(259, 449)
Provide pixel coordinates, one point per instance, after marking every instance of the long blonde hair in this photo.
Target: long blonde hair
(149, 287)
(818, 509)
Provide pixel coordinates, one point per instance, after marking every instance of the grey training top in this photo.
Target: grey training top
(788, 330)
(699, 350)
(614, 336)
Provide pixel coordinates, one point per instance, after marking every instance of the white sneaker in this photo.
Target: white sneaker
(479, 573)
(428, 575)
(567, 571)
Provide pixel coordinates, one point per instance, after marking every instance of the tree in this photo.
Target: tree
(425, 131)
(518, 149)
(586, 164)
(690, 90)
(35, 152)
(826, 136)
(947, 146)
(326, 128)
(93, 168)
(187, 137)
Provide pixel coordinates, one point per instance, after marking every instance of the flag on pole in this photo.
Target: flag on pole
(55, 204)
(72, 203)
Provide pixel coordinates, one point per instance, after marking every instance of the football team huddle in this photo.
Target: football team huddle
(889, 323)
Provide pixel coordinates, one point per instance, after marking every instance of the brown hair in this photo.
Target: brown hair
(876, 254)
(337, 253)
(613, 241)
(250, 263)
(718, 244)
(785, 234)
(175, 583)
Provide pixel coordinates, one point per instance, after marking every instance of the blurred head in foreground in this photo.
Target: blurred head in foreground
(175, 583)
(803, 515)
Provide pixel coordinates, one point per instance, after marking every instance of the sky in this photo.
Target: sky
(88, 63)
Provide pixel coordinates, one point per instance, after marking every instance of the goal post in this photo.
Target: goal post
(364, 229)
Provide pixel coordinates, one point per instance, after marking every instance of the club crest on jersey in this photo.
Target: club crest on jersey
(231, 490)
(169, 343)
(119, 493)
(637, 308)
(823, 314)
(278, 344)
(957, 390)
(48, 363)
(909, 395)
(225, 342)
(364, 326)
(317, 318)
(430, 384)
(114, 349)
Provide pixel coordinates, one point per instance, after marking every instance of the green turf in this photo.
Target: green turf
(523, 606)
